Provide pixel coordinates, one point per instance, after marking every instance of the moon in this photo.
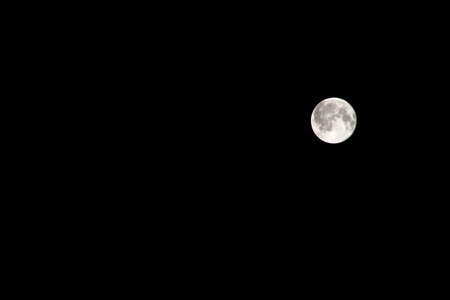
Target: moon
(333, 120)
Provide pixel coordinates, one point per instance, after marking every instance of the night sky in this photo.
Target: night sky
(185, 130)
(251, 155)
(237, 97)
(209, 113)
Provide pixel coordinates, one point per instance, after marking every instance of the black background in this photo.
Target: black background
(214, 106)
(243, 165)
(238, 95)
(192, 125)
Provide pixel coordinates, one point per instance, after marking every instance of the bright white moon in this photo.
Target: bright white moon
(333, 120)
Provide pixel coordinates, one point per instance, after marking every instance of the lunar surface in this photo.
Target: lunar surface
(333, 120)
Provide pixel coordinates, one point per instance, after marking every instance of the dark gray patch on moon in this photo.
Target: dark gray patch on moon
(343, 113)
(345, 116)
(329, 108)
(321, 120)
(317, 115)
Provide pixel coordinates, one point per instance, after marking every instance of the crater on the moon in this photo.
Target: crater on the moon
(343, 113)
(325, 115)
(329, 108)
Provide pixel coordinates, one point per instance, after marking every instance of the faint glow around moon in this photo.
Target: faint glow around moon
(333, 120)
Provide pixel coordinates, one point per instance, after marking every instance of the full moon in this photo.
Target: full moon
(333, 120)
